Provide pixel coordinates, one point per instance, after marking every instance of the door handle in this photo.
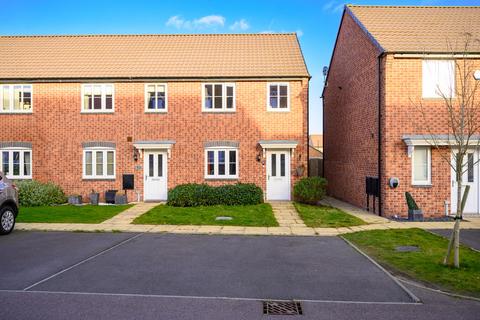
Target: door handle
(146, 177)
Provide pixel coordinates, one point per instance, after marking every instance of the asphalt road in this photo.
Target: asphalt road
(469, 237)
(160, 276)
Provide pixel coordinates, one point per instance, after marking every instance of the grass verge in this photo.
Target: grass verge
(326, 216)
(424, 265)
(260, 215)
(69, 214)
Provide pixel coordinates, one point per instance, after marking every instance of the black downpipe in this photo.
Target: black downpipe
(380, 180)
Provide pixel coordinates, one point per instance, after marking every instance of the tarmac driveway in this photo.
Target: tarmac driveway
(468, 237)
(302, 268)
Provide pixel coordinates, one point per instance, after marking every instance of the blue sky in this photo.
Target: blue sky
(316, 23)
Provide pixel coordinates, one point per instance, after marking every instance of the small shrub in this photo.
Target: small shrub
(191, 195)
(310, 190)
(412, 205)
(33, 194)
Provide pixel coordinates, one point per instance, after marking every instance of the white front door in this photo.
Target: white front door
(278, 175)
(471, 178)
(155, 172)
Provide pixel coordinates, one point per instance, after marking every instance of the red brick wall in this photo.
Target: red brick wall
(57, 129)
(403, 116)
(350, 115)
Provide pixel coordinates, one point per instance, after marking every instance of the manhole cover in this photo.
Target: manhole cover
(284, 308)
(407, 249)
(223, 218)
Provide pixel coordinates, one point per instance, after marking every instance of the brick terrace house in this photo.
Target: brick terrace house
(82, 111)
(386, 61)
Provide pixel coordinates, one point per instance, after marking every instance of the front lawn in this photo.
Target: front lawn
(424, 265)
(326, 216)
(69, 214)
(260, 215)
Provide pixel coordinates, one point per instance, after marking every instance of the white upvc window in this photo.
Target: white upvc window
(438, 78)
(98, 163)
(16, 98)
(421, 166)
(98, 97)
(16, 163)
(156, 97)
(218, 97)
(221, 163)
(278, 97)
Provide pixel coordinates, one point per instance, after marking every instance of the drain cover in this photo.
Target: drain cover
(223, 218)
(285, 308)
(407, 249)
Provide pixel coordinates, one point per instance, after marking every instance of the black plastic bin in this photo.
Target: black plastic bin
(110, 196)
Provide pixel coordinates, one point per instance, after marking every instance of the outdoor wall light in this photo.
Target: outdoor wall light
(135, 154)
(476, 75)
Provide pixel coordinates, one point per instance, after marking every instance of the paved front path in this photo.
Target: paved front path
(286, 214)
(289, 223)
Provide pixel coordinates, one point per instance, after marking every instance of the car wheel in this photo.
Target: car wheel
(7, 220)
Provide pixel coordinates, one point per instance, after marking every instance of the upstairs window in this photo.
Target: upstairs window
(16, 98)
(278, 97)
(98, 163)
(438, 79)
(156, 97)
(97, 98)
(221, 163)
(16, 163)
(218, 97)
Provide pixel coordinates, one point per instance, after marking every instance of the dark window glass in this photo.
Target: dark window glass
(282, 165)
(470, 167)
(283, 90)
(108, 101)
(274, 165)
(87, 98)
(229, 102)
(151, 165)
(161, 100)
(27, 98)
(26, 163)
(218, 96)
(5, 162)
(97, 97)
(88, 163)
(16, 163)
(221, 163)
(273, 91)
(233, 162)
(160, 165)
(273, 102)
(208, 96)
(283, 102)
(211, 163)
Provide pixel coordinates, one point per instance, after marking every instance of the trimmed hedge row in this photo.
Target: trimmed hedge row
(32, 193)
(191, 195)
(310, 190)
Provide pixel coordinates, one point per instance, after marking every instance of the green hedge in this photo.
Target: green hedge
(310, 190)
(191, 195)
(32, 193)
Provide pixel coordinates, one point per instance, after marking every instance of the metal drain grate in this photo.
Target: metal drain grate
(284, 308)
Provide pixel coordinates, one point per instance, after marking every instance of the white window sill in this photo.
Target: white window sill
(218, 111)
(421, 185)
(19, 177)
(155, 111)
(277, 110)
(220, 178)
(98, 178)
(17, 112)
(98, 112)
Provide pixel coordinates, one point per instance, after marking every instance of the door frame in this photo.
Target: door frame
(476, 182)
(287, 170)
(165, 172)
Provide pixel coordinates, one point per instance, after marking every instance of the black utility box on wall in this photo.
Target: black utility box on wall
(128, 182)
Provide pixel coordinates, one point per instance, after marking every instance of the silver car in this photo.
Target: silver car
(8, 205)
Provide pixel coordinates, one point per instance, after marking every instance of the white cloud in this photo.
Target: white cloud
(241, 24)
(211, 21)
(333, 6)
(299, 33)
(267, 31)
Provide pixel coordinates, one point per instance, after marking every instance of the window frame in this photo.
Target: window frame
(103, 103)
(224, 97)
(427, 95)
(22, 151)
(94, 175)
(427, 182)
(11, 98)
(215, 175)
(165, 110)
(278, 84)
